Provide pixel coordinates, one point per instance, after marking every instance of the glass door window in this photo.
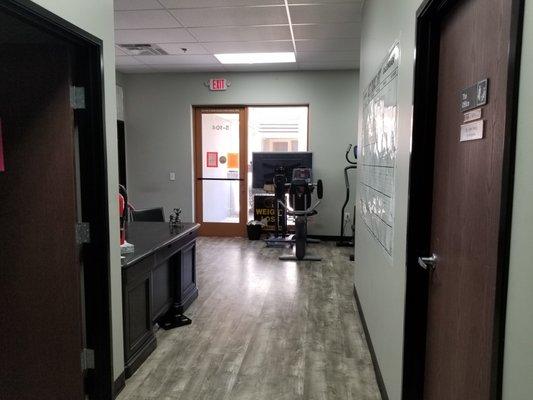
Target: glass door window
(274, 129)
(220, 181)
(220, 145)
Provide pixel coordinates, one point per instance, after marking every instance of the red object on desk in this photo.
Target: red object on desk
(121, 207)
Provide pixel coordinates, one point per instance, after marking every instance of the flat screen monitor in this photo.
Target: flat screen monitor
(264, 165)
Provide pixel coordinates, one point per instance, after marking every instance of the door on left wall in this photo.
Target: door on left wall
(220, 171)
(40, 259)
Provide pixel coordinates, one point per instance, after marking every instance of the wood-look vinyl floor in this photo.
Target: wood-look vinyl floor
(263, 329)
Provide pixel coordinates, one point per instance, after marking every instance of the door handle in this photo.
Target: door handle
(428, 263)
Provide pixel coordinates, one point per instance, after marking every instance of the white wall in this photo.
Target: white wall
(518, 361)
(96, 17)
(381, 286)
(159, 130)
(381, 283)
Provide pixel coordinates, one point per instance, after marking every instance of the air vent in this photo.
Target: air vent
(143, 49)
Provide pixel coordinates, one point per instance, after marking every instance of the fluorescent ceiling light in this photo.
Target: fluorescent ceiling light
(256, 58)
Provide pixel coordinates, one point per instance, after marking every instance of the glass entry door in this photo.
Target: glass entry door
(220, 169)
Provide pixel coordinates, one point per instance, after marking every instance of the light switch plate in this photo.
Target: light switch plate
(172, 176)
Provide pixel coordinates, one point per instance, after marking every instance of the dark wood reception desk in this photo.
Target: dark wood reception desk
(159, 276)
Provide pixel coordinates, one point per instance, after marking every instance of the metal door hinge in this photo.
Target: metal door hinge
(83, 232)
(77, 98)
(87, 359)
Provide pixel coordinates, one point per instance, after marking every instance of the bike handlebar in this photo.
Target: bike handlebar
(347, 156)
(302, 212)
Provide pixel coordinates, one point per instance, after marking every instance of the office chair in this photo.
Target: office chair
(148, 215)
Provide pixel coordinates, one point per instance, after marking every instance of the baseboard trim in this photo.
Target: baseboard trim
(326, 238)
(119, 384)
(377, 370)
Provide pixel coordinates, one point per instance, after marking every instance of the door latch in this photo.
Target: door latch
(428, 263)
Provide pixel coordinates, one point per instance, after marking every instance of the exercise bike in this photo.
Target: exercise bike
(352, 165)
(300, 191)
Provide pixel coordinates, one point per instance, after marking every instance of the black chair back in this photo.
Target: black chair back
(148, 215)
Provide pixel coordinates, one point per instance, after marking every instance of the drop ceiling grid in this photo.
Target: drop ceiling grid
(222, 67)
(327, 32)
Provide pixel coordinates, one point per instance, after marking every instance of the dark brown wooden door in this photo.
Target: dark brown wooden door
(474, 45)
(40, 295)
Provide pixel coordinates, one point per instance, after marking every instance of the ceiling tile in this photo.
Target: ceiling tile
(328, 31)
(325, 13)
(135, 69)
(232, 16)
(126, 60)
(216, 3)
(177, 48)
(183, 68)
(153, 36)
(241, 34)
(329, 65)
(127, 5)
(310, 57)
(328, 45)
(177, 60)
(249, 47)
(144, 19)
(356, 2)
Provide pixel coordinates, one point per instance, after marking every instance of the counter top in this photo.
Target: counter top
(149, 237)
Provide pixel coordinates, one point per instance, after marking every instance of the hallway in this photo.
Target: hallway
(263, 329)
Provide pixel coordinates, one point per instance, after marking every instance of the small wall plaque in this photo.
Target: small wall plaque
(475, 96)
(473, 115)
(472, 131)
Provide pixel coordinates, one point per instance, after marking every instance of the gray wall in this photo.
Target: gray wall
(96, 17)
(518, 371)
(159, 130)
(380, 283)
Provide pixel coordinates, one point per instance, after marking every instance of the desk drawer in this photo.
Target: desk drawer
(168, 251)
(138, 271)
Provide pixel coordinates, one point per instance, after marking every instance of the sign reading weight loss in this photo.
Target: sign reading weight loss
(377, 163)
(265, 210)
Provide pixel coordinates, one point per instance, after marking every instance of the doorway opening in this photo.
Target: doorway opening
(224, 140)
(53, 189)
(279, 129)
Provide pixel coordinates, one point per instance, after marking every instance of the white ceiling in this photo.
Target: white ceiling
(326, 33)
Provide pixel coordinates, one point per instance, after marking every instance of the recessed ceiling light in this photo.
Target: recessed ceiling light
(256, 58)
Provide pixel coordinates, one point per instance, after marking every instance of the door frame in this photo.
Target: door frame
(94, 186)
(428, 19)
(221, 229)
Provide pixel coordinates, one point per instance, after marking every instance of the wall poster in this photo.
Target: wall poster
(377, 158)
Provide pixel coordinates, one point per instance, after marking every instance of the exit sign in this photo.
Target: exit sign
(218, 84)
